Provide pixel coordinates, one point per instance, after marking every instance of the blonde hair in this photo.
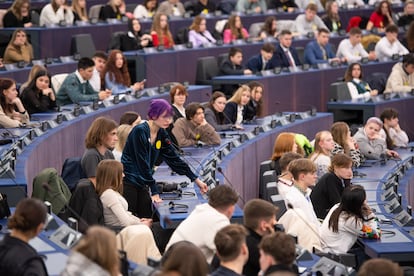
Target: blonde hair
(122, 132)
(99, 246)
(109, 176)
(239, 93)
(320, 136)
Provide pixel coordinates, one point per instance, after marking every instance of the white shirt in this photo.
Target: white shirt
(350, 52)
(399, 138)
(384, 49)
(353, 90)
(284, 186)
(142, 12)
(95, 81)
(302, 202)
(48, 16)
(322, 163)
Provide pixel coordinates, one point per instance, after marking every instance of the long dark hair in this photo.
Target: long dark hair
(6, 83)
(348, 72)
(378, 11)
(219, 115)
(267, 26)
(131, 28)
(120, 75)
(351, 204)
(32, 84)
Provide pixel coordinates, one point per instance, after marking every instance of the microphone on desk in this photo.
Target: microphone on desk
(220, 170)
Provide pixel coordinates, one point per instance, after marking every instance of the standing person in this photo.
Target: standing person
(76, 87)
(235, 30)
(99, 142)
(213, 112)
(321, 155)
(357, 87)
(18, 49)
(146, 10)
(139, 163)
(194, 129)
(198, 34)
(17, 256)
(95, 254)
(39, 96)
(391, 131)
(55, 13)
(370, 142)
(232, 250)
(116, 75)
(160, 31)
(12, 111)
(344, 143)
(381, 17)
(328, 190)
(18, 15)
(201, 226)
(235, 106)
(348, 220)
(254, 108)
(135, 39)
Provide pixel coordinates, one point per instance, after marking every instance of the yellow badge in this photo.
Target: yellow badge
(158, 144)
(197, 136)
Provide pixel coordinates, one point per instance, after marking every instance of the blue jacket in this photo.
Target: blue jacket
(280, 57)
(255, 64)
(314, 55)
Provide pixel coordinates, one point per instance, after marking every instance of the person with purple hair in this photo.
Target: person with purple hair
(146, 142)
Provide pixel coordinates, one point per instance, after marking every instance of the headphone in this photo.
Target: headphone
(177, 206)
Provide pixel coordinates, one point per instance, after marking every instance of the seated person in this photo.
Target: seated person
(178, 96)
(259, 219)
(99, 142)
(254, 107)
(286, 5)
(18, 15)
(321, 155)
(201, 226)
(204, 7)
(55, 13)
(39, 96)
(135, 39)
(284, 142)
(130, 118)
(389, 45)
(391, 132)
(233, 66)
(12, 112)
(213, 112)
(99, 58)
(194, 129)
(278, 254)
(358, 89)
(304, 176)
(347, 221)
(251, 6)
(381, 18)
(97, 252)
(351, 48)
(309, 22)
(198, 34)
(331, 19)
(232, 250)
(269, 28)
(303, 4)
(160, 31)
(319, 50)
(114, 9)
(351, 3)
(262, 61)
(379, 266)
(408, 16)
(401, 78)
(18, 257)
(286, 55)
(234, 111)
(328, 190)
(79, 11)
(18, 49)
(116, 75)
(344, 143)
(146, 9)
(122, 133)
(171, 8)
(285, 179)
(234, 30)
(369, 140)
(76, 87)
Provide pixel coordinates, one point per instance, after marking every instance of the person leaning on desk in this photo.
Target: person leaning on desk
(12, 111)
(401, 78)
(76, 87)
